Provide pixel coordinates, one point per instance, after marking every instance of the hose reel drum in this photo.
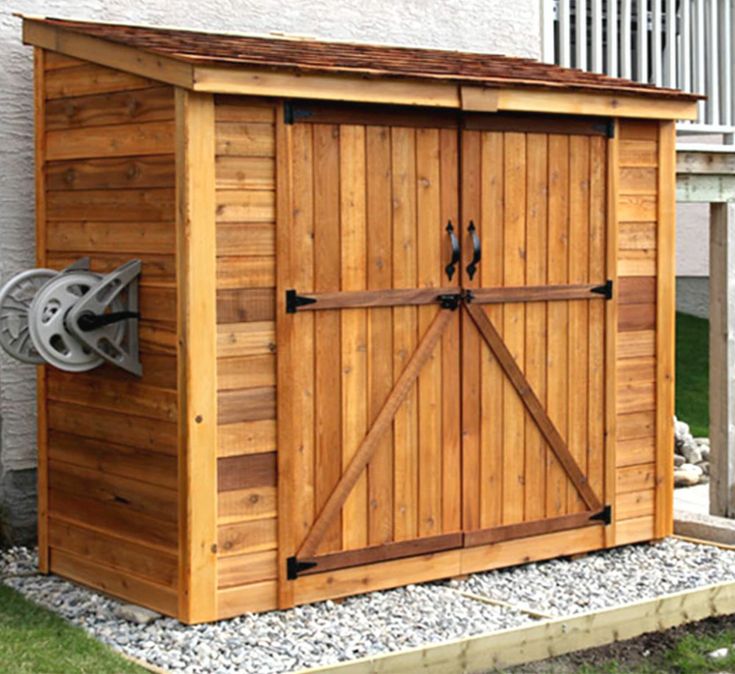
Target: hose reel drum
(74, 319)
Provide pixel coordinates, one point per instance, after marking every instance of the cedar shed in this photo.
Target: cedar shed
(406, 314)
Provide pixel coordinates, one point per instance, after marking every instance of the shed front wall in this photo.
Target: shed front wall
(108, 510)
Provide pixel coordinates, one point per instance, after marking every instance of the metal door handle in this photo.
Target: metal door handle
(452, 266)
(476, 250)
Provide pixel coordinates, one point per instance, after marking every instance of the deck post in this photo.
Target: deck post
(722, 359)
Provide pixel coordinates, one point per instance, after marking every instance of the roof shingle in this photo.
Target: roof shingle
(306, 55)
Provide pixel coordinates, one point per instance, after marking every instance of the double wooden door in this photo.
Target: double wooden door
(441, 337)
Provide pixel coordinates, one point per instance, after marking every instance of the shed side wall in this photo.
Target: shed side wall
(638, 228)
(112, 438)
(246, 360)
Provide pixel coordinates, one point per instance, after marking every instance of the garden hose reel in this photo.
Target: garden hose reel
(74, 319)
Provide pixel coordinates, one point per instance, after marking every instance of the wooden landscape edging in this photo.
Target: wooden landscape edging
(548, 638)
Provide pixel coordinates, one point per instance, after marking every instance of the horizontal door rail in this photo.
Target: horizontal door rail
(383, 553)
(536, 527)
(580, 291)
(356, 299)
(430, 545)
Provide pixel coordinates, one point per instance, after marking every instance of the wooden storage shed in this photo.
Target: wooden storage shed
(406, 314)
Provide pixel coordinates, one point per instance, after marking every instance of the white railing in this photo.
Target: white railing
(685, 44)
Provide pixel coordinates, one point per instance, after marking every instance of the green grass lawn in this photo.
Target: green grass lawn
(692, 372)
(36, 641)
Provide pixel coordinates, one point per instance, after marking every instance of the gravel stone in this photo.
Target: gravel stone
(380, 622)
(690, 450)
(136, 614)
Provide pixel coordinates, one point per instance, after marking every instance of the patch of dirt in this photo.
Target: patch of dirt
(645, 649)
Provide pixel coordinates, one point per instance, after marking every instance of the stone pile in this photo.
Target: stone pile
(691, 457)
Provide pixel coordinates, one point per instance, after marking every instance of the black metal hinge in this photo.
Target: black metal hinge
(294, 301)
(294, 567)
(293, 113)
(605, 290)
(604, 516)
(611, 129)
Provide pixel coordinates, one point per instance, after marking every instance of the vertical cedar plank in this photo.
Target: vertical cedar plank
(380, 328)
(557, 316)
(536, 260)
(450, 345)
(491, 376)
(353, 239)
(472, 180)
(611, 328)
(405, 275)
(579, 185)
(301, 262)
(39, 96)
(428, 234)
(596, 407)
(197, 354)
(665, 328)
(328, 380)
(514, 326)
(288, 401)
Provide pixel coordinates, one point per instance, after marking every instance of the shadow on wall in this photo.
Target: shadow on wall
(692, 295)
(18, 524)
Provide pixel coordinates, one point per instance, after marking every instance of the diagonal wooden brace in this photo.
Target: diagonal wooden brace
(533, 405)
(382, 423)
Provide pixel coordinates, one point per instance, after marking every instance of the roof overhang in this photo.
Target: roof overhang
(397, 91)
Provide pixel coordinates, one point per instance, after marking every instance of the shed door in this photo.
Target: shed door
(533, 409)
(371, 368)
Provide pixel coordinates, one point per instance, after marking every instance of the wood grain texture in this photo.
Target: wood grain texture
(197, 347)
(665, 330)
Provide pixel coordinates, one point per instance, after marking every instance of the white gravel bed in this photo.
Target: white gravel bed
(279, 641)
(328, 632)
(604, 579)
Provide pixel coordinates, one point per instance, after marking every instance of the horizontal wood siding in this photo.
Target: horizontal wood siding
(246, 359)
(112, 437)
(636, 355)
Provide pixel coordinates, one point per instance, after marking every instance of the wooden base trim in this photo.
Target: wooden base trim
(549, 638)
(383, 553)
(511, 531)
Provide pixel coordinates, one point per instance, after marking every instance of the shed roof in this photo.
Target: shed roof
(314, 56)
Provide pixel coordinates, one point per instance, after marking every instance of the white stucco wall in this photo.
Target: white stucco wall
(478, 25)
(692, 240)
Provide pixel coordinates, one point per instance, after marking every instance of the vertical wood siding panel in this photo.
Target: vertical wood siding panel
(535, 368)
(579, 187)
(328, 383)
(428, 236)
(492, 227)
(405, 275)
(380, 328)
(558, 313)
(514, 326)
(353, 239)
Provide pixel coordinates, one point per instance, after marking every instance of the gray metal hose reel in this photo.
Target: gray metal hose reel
(73, 319)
